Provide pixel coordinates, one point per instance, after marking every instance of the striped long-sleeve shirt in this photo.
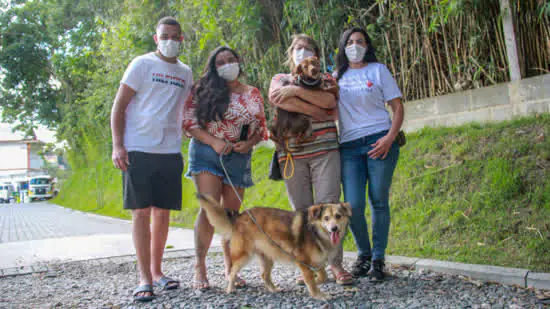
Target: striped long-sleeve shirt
(325, 132)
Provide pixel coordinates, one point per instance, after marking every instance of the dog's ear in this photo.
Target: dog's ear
(315, 61)
(315, 212)
(298, 70)
(347, 208)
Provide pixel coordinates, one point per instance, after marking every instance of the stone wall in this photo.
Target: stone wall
(496, 103)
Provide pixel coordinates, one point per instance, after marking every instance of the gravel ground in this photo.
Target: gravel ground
(94, 284)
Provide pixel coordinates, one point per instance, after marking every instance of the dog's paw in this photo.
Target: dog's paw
(230, 289)
(274, 289)
(322, 296)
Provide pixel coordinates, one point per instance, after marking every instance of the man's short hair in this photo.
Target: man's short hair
(168, 20)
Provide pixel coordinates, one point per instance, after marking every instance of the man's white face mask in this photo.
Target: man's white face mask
(229, 71)
(300, 54)
(169, 48)
(355, 53)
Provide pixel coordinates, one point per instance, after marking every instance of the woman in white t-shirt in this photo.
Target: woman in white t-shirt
(368, 149)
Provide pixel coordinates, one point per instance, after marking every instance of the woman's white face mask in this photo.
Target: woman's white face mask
(229, 71)
(355, 53)
(300, 54)
(169, 48)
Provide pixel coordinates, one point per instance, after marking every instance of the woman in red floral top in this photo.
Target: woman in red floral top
(225, 116)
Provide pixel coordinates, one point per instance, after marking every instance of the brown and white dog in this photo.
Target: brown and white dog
(310, 237)
(287, 124)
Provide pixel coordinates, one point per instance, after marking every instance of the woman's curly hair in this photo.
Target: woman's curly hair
(211, 92)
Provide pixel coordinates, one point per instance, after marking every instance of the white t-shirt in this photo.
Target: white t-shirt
(155, 114)
(362, 104)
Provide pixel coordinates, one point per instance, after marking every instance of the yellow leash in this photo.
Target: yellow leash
(288, 159)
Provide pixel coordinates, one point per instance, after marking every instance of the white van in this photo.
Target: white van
(6, 190)
(40, 188)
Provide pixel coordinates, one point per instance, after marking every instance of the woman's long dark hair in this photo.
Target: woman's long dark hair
(211, 92)
(342, 62)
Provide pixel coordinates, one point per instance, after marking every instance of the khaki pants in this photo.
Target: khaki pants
(316, 180)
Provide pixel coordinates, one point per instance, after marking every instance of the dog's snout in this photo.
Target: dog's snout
(334, 229)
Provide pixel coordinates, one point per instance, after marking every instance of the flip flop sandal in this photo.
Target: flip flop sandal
(240, 283)
(167, 283)
(343, 278)
(142, 289)
(204, 285)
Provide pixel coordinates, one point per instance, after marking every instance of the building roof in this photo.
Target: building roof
(40, 135)
(7, 135)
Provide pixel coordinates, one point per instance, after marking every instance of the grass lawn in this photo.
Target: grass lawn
(478, 193)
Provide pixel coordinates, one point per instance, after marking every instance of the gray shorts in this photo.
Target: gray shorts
(152, 179)
(316, 180)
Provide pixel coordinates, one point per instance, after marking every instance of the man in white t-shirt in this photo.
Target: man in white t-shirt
(146, 123)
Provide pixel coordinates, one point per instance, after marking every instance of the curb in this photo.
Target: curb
(486, 273)
(93, 215)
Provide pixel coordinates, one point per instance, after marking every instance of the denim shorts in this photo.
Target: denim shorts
(203, 158)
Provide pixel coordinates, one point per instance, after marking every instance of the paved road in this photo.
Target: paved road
(22, 222)
(36, 233)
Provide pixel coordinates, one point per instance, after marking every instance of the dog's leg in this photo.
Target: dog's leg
(267, 266)
(309, 279)
(321, 276)
(236, 266)
(240, 255)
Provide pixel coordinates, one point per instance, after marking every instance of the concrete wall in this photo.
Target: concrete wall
(496, 103)
(13, 155)
(14, 160)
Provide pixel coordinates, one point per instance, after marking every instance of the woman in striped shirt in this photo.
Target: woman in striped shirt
(311, 169)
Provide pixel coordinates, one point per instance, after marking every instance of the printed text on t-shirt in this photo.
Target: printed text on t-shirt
(168, 79)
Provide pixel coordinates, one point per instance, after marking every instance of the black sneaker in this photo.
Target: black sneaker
(361, 266)
(377, 271)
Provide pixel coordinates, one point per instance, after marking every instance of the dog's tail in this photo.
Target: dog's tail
(216, 214)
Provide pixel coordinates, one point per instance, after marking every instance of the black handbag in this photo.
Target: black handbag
(274, 168)
(401, 139)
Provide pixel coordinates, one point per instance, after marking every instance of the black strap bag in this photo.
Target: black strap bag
(401, 139)
(274, 168)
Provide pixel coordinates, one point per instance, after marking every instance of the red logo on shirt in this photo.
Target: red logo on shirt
(369, 83)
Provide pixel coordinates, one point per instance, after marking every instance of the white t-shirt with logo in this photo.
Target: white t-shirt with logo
(155, 114)
(362, 104)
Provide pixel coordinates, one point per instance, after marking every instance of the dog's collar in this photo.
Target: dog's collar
(309, 83)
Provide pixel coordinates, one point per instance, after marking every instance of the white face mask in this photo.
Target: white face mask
(355, 53)
(169, 48)
(229, 71)
(300, 54)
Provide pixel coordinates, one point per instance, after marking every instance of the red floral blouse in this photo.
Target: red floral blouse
(244, 108)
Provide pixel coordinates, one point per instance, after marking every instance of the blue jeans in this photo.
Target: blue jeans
(358, 169)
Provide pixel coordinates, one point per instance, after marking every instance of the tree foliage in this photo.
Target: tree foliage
(61, 60)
